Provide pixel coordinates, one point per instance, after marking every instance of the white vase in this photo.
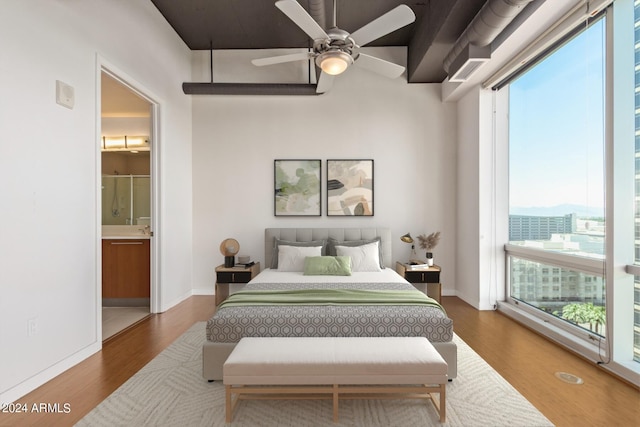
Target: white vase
(429, 256)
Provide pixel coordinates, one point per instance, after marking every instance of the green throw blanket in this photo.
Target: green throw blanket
(328, 297)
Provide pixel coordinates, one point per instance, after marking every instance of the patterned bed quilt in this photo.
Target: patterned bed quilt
(360, 313)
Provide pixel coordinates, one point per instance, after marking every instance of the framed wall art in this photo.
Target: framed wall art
(350, 187)
(297, 187)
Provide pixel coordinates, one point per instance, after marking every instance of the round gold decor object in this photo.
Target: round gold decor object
(229, 247)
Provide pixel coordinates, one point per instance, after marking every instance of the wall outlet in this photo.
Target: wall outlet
(32, 327)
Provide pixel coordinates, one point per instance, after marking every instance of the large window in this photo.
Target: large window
(565, 123)
(557, 183)
(567, 206)
(636, 324)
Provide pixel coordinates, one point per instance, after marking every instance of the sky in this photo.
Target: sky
(556, 134)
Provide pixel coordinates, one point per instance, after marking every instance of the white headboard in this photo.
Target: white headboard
(341, 234)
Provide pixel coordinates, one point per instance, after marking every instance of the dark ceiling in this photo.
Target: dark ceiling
(259, 24)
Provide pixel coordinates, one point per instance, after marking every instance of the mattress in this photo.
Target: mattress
(230, 324)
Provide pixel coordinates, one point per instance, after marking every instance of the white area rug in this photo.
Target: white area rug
(170, 391)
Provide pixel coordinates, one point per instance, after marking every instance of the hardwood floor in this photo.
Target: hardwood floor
(529, 362)
(522, 357)
(87, 384)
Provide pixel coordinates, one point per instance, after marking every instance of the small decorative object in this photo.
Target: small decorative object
(428, 243)
(297, 187)
(350, 187)
(229, 248)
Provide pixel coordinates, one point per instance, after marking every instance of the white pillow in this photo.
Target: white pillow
(363, 258)
(291, 258)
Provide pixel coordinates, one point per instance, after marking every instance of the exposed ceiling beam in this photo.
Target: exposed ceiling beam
(248, 89)
(436, 32)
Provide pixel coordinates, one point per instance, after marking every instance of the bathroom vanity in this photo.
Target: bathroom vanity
(126, 263)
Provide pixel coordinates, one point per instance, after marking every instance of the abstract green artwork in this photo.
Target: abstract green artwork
(297, 187)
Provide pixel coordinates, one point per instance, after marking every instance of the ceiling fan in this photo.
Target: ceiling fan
(335, 50)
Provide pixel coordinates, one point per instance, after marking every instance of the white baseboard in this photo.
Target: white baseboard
(16, 392)
(165, 307)
(202, 291)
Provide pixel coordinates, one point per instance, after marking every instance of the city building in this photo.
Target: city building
(528, 227)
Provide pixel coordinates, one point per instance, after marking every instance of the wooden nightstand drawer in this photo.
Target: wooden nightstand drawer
(426, 279)
(422, 276)
(233, 276)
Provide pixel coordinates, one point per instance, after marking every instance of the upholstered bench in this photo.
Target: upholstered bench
(328, 368)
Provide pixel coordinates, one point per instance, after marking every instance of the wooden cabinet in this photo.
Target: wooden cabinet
(126, 268)
(426, 280)
(227, 275)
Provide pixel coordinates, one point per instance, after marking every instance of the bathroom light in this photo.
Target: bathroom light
(334, 62)
(125, 143)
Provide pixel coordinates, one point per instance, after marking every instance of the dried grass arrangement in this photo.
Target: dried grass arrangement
(429, 242)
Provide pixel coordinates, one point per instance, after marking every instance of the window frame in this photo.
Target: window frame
(612, 352)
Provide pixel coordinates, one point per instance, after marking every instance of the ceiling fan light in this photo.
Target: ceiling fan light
(334, 62)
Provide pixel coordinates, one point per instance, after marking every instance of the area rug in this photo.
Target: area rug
(170, 391)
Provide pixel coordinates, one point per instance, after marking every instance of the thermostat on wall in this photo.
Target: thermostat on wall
(64, 94)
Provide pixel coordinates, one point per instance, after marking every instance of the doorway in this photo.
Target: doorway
(127, 118)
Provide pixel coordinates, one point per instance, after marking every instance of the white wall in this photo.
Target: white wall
(49, 167)
(130, 126)
(468, 198)
(482, 200)
(404, 127)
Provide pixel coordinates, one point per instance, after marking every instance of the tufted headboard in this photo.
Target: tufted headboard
(342, 234)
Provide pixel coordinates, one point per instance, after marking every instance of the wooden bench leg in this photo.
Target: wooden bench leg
(335, 403)
(230, 403)
(443, 403)
(228, 408)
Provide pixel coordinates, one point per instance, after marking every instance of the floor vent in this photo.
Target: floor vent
(569, 378)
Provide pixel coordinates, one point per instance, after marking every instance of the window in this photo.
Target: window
(556, 175)
(636, 307)
(564, 125)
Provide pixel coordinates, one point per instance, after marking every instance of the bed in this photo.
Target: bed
(372, 301)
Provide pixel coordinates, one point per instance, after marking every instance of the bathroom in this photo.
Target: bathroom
(126, 123)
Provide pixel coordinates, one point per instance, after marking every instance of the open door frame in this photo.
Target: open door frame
(103, 65)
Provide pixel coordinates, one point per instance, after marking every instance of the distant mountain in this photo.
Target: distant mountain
(580, 210)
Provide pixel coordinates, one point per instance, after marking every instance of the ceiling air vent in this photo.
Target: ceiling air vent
(468, 61)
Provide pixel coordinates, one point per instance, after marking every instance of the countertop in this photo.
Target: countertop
(124, 232)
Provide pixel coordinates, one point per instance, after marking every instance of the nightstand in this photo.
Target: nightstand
(227, 275)
(424, 279)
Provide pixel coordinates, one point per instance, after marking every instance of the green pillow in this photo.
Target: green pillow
(327, 266)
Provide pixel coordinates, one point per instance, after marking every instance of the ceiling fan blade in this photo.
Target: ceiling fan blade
(325, 81)
(380, 66)
(385, 24)
(301, 18)
(282, 58)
